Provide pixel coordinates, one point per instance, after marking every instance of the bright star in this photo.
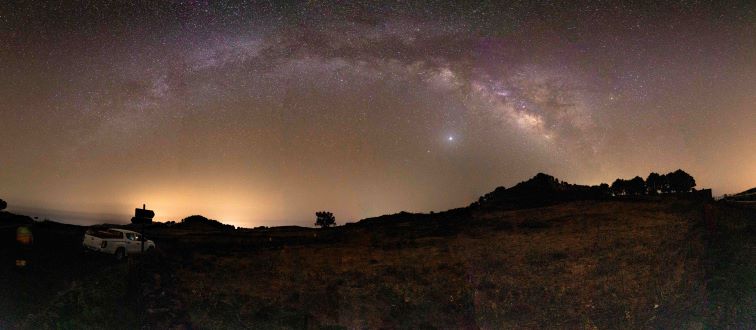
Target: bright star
(451, 138)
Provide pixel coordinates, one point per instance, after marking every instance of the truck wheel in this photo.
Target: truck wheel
(120, 254)
(150, 249)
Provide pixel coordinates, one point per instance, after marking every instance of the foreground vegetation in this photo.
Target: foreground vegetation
(584, 264)
(606, 264)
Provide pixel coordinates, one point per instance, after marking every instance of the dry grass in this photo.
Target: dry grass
(615, 264)
(577, 265)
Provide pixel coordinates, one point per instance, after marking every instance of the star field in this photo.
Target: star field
(260, 113)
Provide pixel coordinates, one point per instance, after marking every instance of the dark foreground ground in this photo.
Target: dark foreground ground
(610, 264)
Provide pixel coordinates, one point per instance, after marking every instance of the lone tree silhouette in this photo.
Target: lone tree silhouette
(325, 219)
(3, 205)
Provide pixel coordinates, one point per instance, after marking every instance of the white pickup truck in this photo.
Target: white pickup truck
(118, 242)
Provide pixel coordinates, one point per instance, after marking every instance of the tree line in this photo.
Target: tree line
(674, 182)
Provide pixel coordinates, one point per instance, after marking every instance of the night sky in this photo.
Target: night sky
(263, 113)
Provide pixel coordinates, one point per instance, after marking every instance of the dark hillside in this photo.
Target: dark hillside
(199, 222)
(745, 196)
(648, 263)
(541, 190)
(610, 264)
(11, 219)
(747, 192)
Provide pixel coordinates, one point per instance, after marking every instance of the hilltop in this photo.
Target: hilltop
(539, 191)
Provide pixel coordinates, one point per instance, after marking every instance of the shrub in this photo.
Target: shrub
(325, 219)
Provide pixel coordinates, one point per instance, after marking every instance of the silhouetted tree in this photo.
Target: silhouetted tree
(3, 205)
(635, 186)
(325, 219)
(619, 187)
(679, 181)
(653, 183)
(664, 184)
(490, 197)
(602, 190)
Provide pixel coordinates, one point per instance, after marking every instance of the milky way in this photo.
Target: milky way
(263, 113)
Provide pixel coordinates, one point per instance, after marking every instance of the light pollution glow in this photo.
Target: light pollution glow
(264, 114)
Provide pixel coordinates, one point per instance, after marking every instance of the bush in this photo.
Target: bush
(325, 219)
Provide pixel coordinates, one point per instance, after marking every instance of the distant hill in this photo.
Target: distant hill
(748, 195)
(541, 190)
(747, 192)
(7, 218)
(200, 222)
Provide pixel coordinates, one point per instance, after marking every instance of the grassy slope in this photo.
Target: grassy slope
(586, 264)
(731, 267)
(666, 264)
